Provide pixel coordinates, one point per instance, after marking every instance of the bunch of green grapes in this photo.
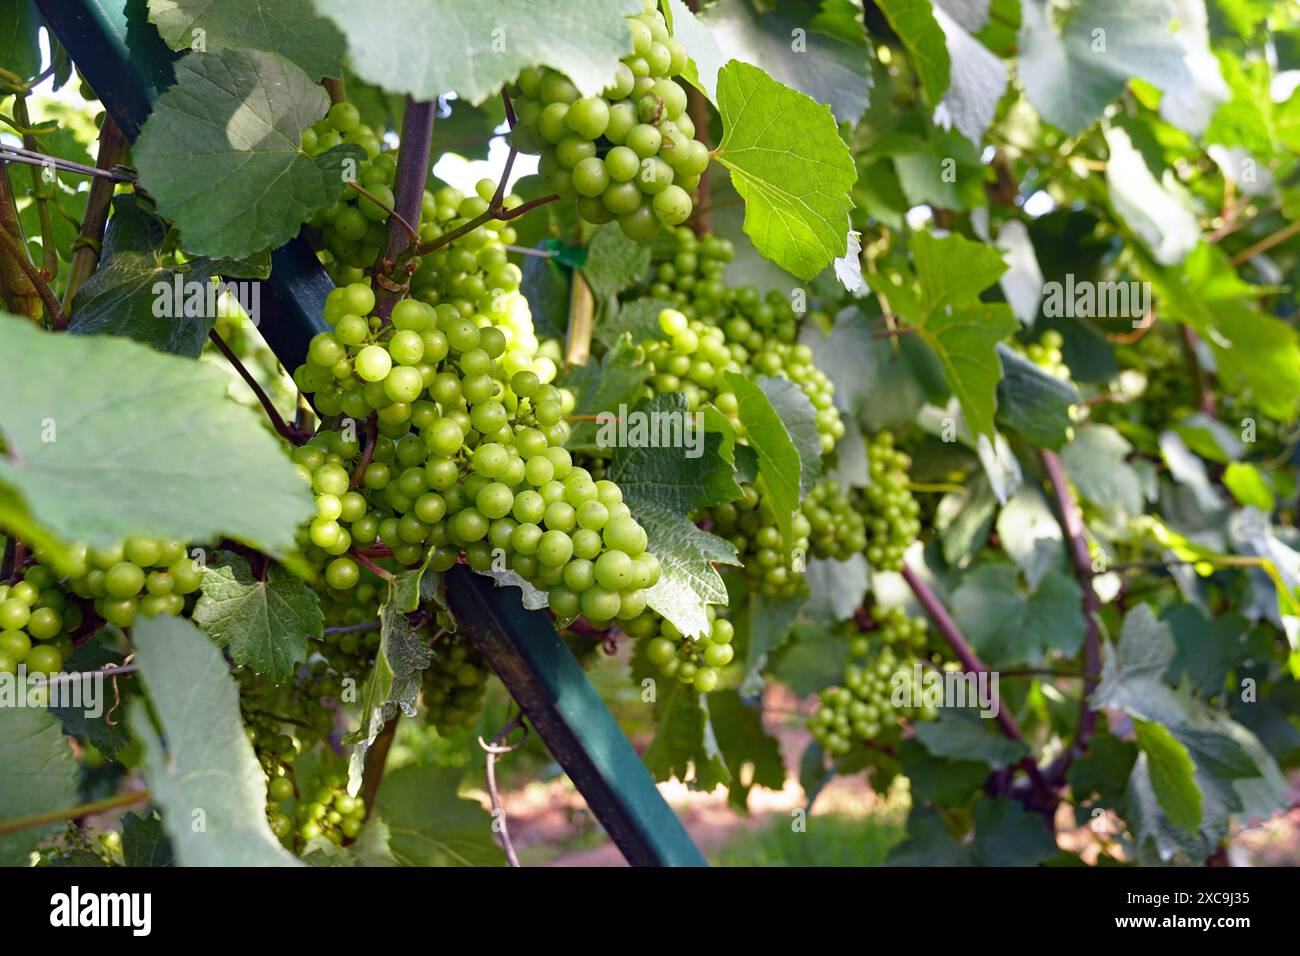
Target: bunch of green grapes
(327, 811)
(1046, 354)
(891, 514)
(352, 232)
(628, 154)
(453, 685)
(690, 661)
(836, 529)
(863, 709)
(36, 621)
(468, 456)
(750, 524)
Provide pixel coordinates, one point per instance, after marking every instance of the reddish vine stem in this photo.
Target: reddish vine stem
(372, 429)
(410, 230)
(372, 774)
(408, 193)
(947, 627)
(1071, 519)
(112, 145)
(272, 412)
(496, 749)
(19, 255)
(369, 565)
(73, 813)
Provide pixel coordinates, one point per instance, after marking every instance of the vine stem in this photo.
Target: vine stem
(947, 627)
(272, 413)
(498, 748)
(1267, 243)
(58, 321)
(1071, 519)
(40, 194)
(494, 212)
(408, 196)
(72, 813)
(372, 774)
(698, 110)
(369, 565)
(112, 145)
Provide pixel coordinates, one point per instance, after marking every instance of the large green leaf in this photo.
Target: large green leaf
(198, 762)
(914, 22)
(1033, 402)
(1075, 59)
(1096, 461)
(1007, 626)
(684, 745)
(20, 50)
(780, 465)
(789, 164)
(265, 623)
(661, 486)
(288, 27)
(93, 419)
(37, 774)
(705, 56)
(221, 152)
(978, 80)
(1172, 774)
(430, 824)
(779, 41)
(430, 47)
(122, 297)
(963, 737)
(743, 742)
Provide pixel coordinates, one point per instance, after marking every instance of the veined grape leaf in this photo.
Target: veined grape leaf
(288, 27)
(1008, 627)
(101, 723)
(978, 80)
(231, 128)
(607, 388)
(1172, 774)
(131, 286)
(265, 624)
(684, 740)
(764, 623)
(429, 47)
(1155, 211)
(199, 764)
(430, 824)
(394, 680)
(825, 67)
(662, 485)
(1030, 534)
(144, 842)
(614, 262)
(37, 774)
(1095, 460)
(836, 588)
(1075, 59)
(963, 737)
(706, 57)
(797, 414)
(914, 22)
(743, 742)
(638, 319)
(790, 165)
(94, 419)
(1006, 834)
(780, 463)
(1033, 402)
(20, 50)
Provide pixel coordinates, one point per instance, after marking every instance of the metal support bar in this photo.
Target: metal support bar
(547, 682)
(128, 66)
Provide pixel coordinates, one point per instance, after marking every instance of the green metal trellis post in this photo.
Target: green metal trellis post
(128, 65)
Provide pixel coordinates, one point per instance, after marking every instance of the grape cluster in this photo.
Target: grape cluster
(892, 515)
(749, 523)
(454, 685)
(35, 621)
(353, 230)
(628, 154)
(863, 709)
(330, 811)
(1046, 354)
(690, 661)
(836, 529)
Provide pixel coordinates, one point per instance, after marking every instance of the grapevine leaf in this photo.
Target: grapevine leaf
(765, 623)
(288, 27)
(743, 742)
(825, 67)
(122, 296)
(231, 126)
(394, 680)
(1207, 648)
(1172, 774)
(661, 485)
(101, 724)
(92, 419)
(1074, 60)
(20, 50)
(979, 79)
(614, 262)
(847, 356)
(836, 588)
(964, 737)
(199, 764)
(789, 164)
(37, 774)
(1248, 486)
(144, 841)
(812, 659)
(684, 740)
(637, 319)
(1007, 627)
(706, 57)
(1033, 402)
(546, 287)
(428, 47)
(604, 391)
(430, 824)
(1031, 535)
(929, 842)
(1096, 462)
(1103, 772)
(1153, 209)
(1006, 834)
(265, 623)
(780, 463)
(797, 414)
(945, 782)
(466, 130)
(915, 24)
